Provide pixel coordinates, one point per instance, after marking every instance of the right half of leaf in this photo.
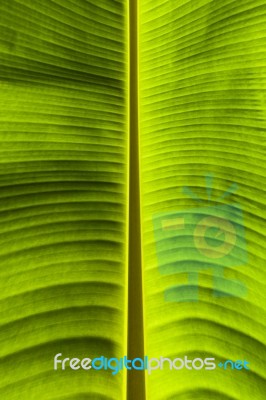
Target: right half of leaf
(202, 130)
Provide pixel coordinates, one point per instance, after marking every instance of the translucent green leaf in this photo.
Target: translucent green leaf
(63, 178)
(202, 126)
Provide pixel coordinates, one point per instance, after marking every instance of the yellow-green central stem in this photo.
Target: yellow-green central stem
(136, 379)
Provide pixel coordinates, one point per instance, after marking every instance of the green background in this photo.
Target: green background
(65, 89)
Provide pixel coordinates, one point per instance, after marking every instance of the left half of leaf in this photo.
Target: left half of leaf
(63, 196)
